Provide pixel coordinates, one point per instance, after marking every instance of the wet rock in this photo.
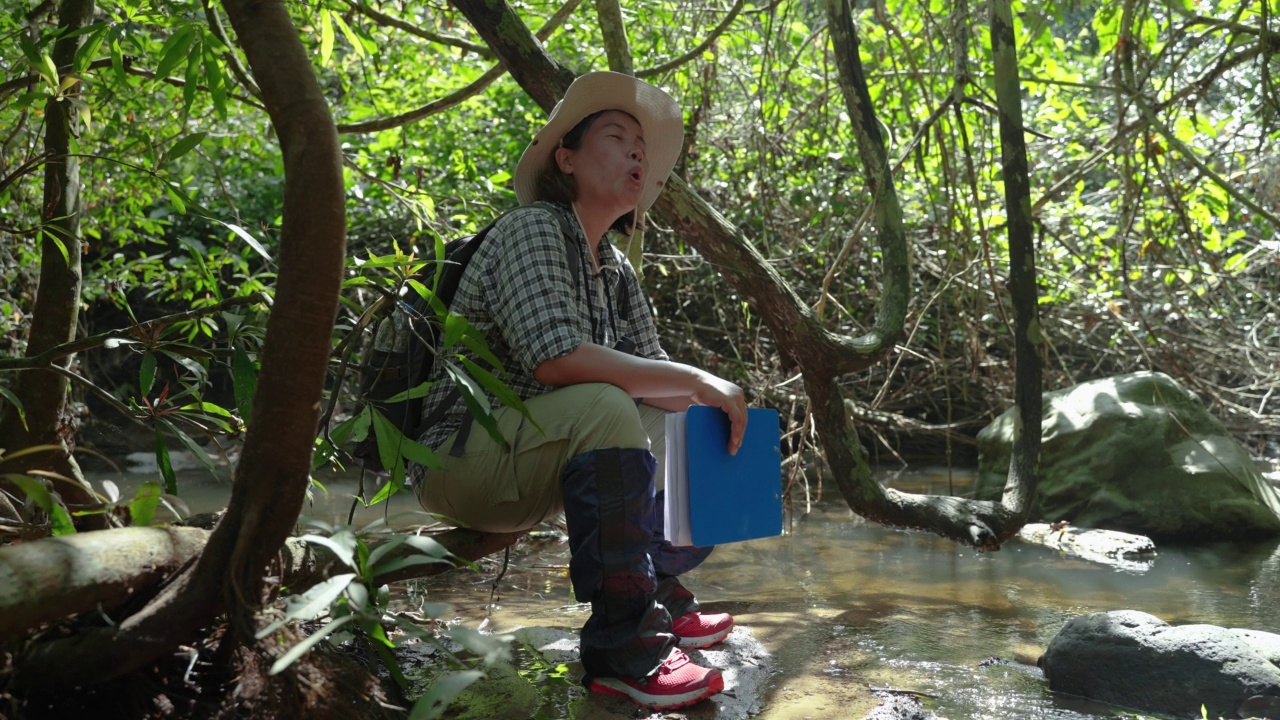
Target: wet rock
(1130, 658)
(900, 707)
(1125, 551)
(1137, 453)
(546, 674)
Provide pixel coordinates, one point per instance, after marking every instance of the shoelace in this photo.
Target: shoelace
(675, 661)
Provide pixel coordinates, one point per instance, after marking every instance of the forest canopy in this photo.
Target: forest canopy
(1155, 188)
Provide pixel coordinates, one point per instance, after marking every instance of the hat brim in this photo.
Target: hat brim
(657, 112)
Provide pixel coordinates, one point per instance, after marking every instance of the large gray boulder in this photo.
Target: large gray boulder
(1140, 454)
(1130, 658)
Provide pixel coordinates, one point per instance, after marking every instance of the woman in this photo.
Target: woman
(597, 385)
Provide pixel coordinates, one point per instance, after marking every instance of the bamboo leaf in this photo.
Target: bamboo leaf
(174, 50)
(164, 465)
(147, 373)
(184, 145)
(326, 37)
(48, 70)
(247, 237)
(244, 379)
(351, 36)
(191, 445)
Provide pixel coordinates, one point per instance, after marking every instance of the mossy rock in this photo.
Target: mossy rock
(1137, 453)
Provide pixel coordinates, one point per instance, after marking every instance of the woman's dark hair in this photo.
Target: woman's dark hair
(557, 187)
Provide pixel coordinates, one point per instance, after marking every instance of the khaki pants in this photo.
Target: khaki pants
(495, 490)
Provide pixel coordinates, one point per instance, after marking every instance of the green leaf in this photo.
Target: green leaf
(191, 445)
(48, 70)
(442, 693)
(7, 394)
(399, 563)
(500, 390)
(174, 50)
(147, 373)
(382, 549)
(142, 509)
(477, 403)
(192, 82)
(316, 600)
(455, 328)
(184, 145)
(179, 204)
(59, 520)
(358, 597)
(475, 342)
(244, 380)
(421, 390)
(89, 50)
(351, 36)
(341, 543)
(301, 648)
(492, 648)
(326, 37)
(388, 489)
(165, 466)
(30, 51)
(247, 237)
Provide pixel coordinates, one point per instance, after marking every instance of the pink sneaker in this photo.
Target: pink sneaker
(677, 683)
(699, 630)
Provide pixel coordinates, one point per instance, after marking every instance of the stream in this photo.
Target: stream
(844, 605)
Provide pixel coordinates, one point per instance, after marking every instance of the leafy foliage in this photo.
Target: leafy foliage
(1156, 188)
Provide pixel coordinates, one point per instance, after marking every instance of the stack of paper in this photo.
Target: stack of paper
(713, 497)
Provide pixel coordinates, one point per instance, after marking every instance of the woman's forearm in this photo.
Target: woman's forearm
(645, 378)
(640, 377)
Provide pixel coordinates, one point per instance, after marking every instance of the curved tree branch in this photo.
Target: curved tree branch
(471, 89)
(698, 49)
(388, 21)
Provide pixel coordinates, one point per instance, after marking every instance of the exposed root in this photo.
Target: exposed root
(191, 683)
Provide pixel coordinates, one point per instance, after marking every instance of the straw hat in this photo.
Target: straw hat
(660, 120)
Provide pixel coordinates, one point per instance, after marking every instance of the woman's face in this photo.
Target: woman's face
(609, 167)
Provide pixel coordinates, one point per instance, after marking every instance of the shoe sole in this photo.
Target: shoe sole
(706, 641)
(613, 686)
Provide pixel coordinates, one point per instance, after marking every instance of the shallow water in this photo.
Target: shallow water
(846, 605)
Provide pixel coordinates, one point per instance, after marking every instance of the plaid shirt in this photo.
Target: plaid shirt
(517, 291)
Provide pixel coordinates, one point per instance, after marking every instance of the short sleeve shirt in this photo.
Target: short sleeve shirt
(519, 292)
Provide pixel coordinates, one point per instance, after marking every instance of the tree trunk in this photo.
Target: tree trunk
(1020, 488)
(43, 393)
(271, 479)
(53, 579)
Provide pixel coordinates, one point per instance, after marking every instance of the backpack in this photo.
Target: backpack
(407, 339)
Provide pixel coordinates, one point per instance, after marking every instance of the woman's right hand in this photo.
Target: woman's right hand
(716, 392)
